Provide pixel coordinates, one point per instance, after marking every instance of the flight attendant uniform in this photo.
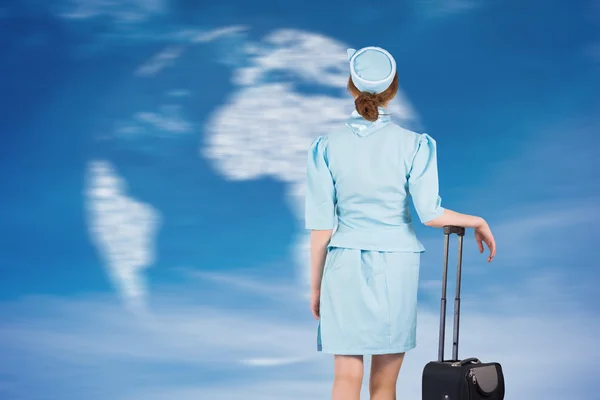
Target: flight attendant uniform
(359, 182)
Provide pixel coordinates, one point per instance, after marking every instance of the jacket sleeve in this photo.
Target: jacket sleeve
(320, 191)
(423, 180)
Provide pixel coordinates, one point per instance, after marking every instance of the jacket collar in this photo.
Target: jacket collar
(362, 127)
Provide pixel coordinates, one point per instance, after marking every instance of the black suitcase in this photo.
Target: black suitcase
(468, 379)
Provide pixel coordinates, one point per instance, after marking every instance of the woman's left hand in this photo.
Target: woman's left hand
(315, 300)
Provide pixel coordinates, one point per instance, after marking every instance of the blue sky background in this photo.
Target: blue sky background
(153, 156)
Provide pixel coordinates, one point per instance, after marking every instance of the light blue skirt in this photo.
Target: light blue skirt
(368, 302)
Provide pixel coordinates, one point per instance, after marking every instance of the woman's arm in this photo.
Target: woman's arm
(450, 217)
(319, 240)
(483, 233)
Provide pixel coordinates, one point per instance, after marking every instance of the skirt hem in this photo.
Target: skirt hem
(367, 352)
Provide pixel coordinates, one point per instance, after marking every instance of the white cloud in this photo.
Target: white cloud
(171, 53)
(208, 36)
(315, 58)
(274, 362)
(264, 390)
(269, 350)
(159, 61)
(179, 93)
(123, 11)
(273, 290)
(167, 121)
(440, 8)
(266, 130)
(122, 229)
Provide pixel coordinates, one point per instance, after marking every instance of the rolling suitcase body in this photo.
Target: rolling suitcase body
(455, 379)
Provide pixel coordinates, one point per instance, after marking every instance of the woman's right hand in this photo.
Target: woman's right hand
(483, 234)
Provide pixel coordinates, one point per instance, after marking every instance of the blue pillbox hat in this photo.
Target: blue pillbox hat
(372, 69)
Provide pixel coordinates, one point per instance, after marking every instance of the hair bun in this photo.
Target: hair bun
(367, 105)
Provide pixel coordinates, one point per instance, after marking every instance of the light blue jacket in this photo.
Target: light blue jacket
(361, 177)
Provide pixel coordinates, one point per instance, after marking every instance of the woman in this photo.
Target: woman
(365, 276)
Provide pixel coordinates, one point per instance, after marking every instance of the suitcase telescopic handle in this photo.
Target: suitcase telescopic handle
(450, 229)
(460, 232)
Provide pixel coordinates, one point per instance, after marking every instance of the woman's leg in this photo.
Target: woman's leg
(384, 375)
(348, 377)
